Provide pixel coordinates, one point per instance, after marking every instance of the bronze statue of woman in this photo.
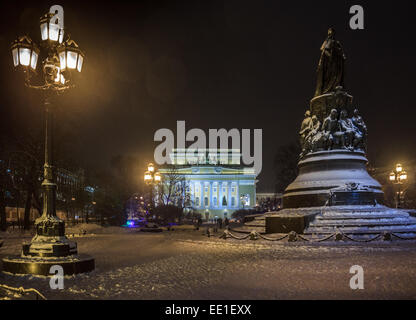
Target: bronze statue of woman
(331, 65)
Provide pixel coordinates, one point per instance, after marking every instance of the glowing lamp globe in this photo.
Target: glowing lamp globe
(49, 30)
(151, 167)
(403, 176)
(158, 178)
(392, 176)
(70, 56)
(25, 53)
(148, 176)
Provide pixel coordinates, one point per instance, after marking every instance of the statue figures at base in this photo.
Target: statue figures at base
(313, 140)
(332, 131)
(358, 121)
(305, 128)
(353, 136)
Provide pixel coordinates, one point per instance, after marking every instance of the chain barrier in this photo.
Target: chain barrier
(22, 291)
(294, 236)
(403, 238)
(363, 240)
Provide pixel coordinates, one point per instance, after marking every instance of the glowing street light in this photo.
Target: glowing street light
(50, 240)
(152, 178)
(148, 177)
(398, 176)
(157, 177)
(399, 168)
(70, 56)
(25, 53)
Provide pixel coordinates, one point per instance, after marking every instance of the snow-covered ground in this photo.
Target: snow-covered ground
(185, 264)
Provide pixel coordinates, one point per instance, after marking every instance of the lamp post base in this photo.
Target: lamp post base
(21, 265)
(49, 247)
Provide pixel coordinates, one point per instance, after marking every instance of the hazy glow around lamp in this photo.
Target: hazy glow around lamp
(151, 167)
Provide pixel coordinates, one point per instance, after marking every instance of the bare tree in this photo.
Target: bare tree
(174, 189)
(286, 165)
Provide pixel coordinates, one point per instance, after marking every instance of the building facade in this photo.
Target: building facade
(217, 183)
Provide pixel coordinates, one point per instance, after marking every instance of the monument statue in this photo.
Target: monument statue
(331, 65)
(333, 192)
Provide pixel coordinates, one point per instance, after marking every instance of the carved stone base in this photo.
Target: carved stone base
(335, 177)
(322, 105)
(50, 226)
(42, 246)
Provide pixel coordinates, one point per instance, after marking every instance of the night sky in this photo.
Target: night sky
(217, 64)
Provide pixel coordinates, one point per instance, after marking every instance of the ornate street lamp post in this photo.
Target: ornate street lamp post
(152, 177)
(398, 176)
(62, 58)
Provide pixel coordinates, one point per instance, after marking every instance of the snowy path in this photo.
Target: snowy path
(186, 265)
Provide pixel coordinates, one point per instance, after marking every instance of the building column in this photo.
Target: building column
(219, 194)
(237, 190)
(230, 194)
(192, 186)
(197, 185)
(210, 195)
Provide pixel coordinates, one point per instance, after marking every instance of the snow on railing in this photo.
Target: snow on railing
(23, 291)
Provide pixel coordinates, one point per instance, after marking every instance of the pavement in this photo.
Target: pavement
(185, 264)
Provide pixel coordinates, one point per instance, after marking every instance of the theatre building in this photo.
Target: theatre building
(217, 182)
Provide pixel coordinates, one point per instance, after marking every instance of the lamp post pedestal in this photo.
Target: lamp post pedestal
(49, 246)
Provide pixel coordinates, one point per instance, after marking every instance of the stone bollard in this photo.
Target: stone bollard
(254, 235)
(387, 236)
(338, 236)
(293, 236)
